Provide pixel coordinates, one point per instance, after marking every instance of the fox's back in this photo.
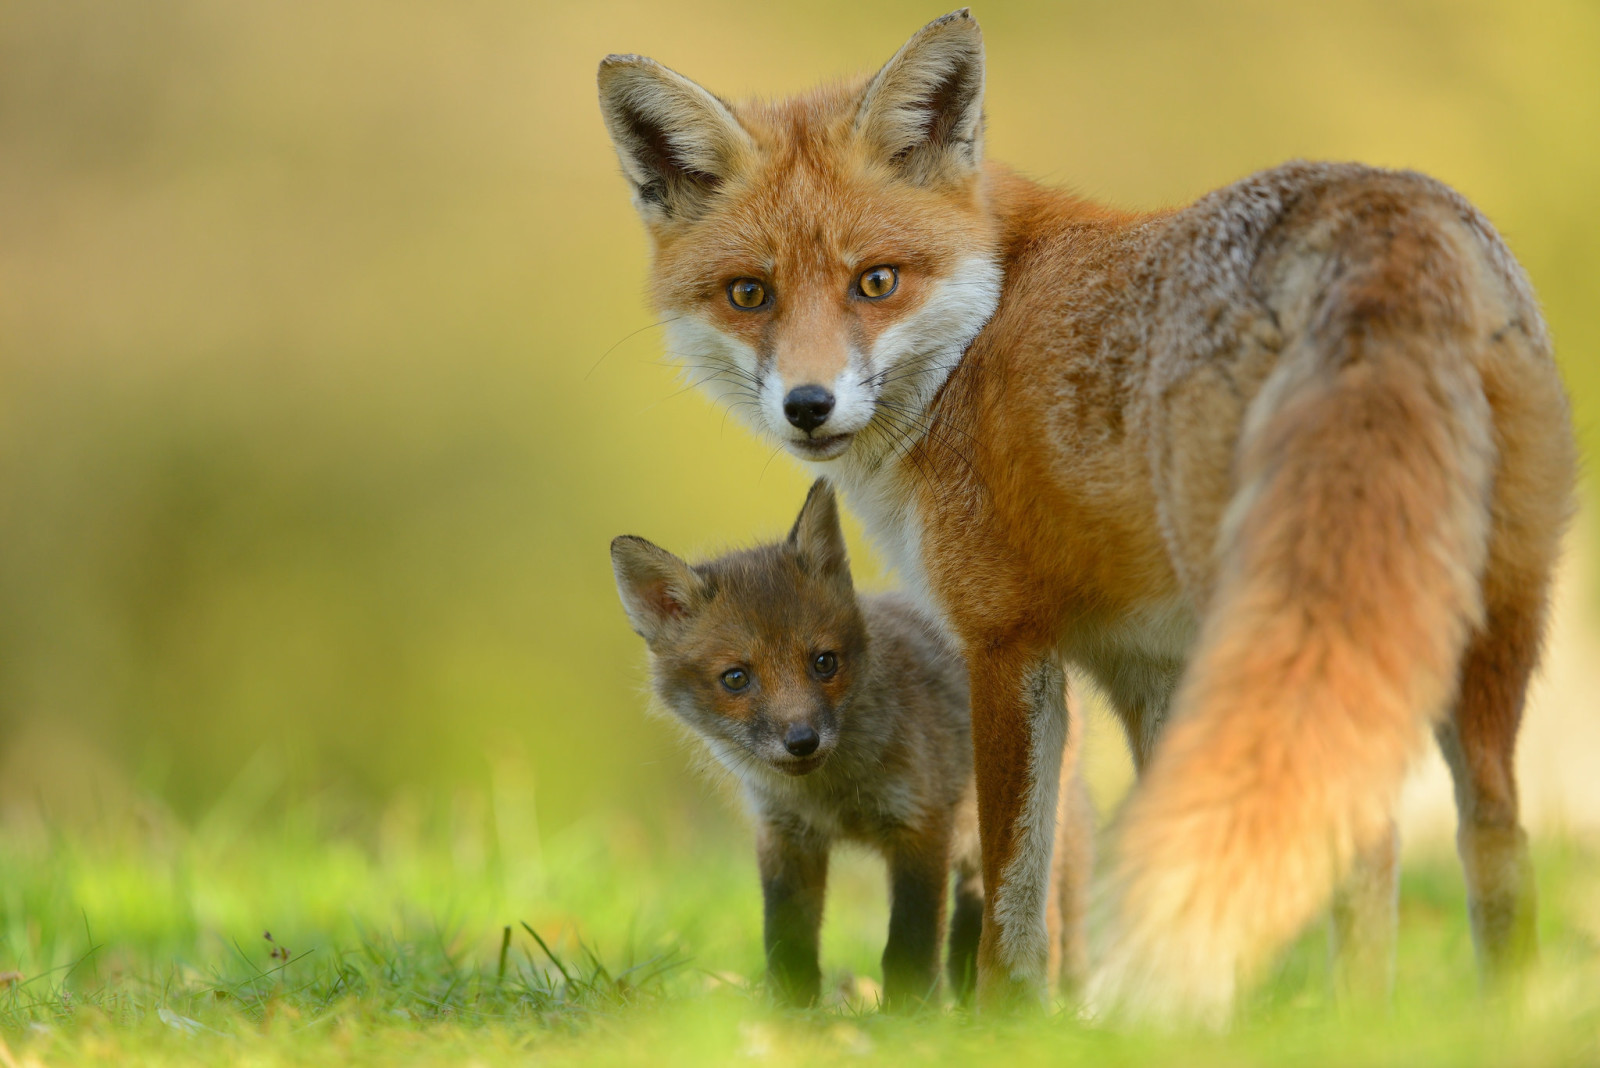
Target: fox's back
(1126, 352)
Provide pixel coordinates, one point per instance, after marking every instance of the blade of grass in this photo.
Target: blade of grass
(553, 958)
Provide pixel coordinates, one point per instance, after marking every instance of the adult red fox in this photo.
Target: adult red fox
(1284, 471)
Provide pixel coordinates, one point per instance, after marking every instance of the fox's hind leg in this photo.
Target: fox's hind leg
(1530, 508)
(1365, 919)
(1479, 743)
(1070, 876)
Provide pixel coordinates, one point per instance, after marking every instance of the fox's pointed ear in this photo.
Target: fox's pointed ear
(678, 143)
(923, 112)
(817, 535)
(656, 587)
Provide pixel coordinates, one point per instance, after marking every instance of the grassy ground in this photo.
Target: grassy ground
(451, 936)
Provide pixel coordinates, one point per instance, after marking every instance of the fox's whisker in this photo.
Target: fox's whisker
(625, 337)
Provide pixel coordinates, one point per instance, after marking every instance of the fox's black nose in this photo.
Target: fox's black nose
(807, 407)
(800, 740)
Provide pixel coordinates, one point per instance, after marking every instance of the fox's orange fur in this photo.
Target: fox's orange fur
(1284, 471)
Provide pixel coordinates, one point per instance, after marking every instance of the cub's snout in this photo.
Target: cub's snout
(801, 740)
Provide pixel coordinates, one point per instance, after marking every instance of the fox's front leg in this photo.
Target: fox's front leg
(794, 878)
(1019, 723)
(919, 873)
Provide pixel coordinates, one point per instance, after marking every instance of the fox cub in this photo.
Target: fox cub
(842, 718)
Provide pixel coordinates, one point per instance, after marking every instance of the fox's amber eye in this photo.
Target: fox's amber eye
(876, 283)
(746, 294)
(825, 664)
(736, 679)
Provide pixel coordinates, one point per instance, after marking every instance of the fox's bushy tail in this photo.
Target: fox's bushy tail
(1350, 563)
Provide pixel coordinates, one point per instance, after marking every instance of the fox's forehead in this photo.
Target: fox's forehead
(765, 604)
(736, 632)
(814, 202)
(814, 124)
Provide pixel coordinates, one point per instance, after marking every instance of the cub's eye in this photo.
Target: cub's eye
(746, 294)
(825, 664)
(736, 679)
(876, 283)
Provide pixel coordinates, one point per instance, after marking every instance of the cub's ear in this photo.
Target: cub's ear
(656, 587)
(677, 142)
(923, 112)
(817, 536)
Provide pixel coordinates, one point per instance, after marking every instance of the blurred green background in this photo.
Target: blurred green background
(322, 379)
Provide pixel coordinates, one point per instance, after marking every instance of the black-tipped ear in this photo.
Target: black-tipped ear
(923, 113)
(678, 143)
(657, 588)
(817, 535)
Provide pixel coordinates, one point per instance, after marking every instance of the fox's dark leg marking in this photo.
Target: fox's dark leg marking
(1479, 743)
(1019, 723)
(966, 927)
(919, 866)
(794, 879)
(1530, 508)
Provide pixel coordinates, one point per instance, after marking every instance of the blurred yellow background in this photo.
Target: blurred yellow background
(326, 375)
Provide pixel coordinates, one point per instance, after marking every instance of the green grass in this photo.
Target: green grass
(454, 935)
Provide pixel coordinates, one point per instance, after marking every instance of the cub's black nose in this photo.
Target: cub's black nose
(807, 407)
(800, 740)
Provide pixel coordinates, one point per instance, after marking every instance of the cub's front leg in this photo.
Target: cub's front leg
(919, 873)
(794, 878)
